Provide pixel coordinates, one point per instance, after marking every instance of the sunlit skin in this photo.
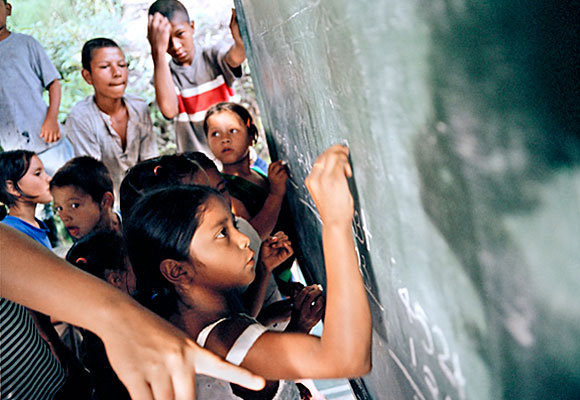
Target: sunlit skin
(79, 213)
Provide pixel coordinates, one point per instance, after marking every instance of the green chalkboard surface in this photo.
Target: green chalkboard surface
(463, 120)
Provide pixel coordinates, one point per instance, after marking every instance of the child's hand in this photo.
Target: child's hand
(328, 186)
(277, 312)
(308, 309)
(50, 130)
(158, 33)
(277, 175)
(275, 250)
(235, 28)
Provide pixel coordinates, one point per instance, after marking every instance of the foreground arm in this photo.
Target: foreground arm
(151, 357)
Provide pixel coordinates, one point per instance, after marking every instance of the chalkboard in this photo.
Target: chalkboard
(463, 121)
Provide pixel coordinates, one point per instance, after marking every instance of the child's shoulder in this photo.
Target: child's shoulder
(234, 330)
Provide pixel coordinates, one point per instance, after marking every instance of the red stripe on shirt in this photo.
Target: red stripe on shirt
(205, 100)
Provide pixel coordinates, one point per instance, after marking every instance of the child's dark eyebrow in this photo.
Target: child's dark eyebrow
(221, 222)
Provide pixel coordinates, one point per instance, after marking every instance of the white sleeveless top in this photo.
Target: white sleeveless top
(212, 388)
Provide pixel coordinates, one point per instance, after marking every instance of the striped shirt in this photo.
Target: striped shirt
(207, 81)
(28, 370)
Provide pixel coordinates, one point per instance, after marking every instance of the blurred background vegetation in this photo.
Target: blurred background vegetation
(63, 26)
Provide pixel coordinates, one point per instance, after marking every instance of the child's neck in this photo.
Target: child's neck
(109, 106)
(4, 33)
(25, 211)
(239, 168)
(198, 308)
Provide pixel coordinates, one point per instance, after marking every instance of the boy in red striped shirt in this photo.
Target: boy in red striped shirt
(196, 78)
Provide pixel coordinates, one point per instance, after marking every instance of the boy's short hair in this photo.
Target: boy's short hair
(169, 9)
(87, 174)
(98, 252)
(89, 49)
(13, 166)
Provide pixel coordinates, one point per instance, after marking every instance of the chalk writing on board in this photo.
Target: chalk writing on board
(434, 344)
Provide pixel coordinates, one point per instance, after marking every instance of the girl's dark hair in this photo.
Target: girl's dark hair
(90, 47)
(98, 252)
(169, 9)
(155, 173)
(13, 166)
(160, 226)
(240, 110)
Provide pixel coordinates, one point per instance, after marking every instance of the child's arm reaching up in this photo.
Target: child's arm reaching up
(344, 350)
(158, 34)
(236, 54)
(50, 130)
(265, 220)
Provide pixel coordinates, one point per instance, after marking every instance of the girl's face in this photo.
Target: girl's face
(221, 254)
(227, 137)
(35, 184)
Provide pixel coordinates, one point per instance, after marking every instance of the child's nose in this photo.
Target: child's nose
(243, 240)
(176, 44)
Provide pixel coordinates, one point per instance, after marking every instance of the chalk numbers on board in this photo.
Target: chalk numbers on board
(434, 345)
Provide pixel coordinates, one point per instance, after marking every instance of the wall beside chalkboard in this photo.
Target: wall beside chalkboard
(463, 121)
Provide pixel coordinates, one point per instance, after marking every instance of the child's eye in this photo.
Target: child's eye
(234, 130)
(123, 65)
(214, 134)
(75, 205)
(57, 209)
(223, 233)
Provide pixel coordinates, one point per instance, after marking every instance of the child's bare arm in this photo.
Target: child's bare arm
(236, 54)
(158, 33)
(50, 130)
(274, 251)
(265, 220)
(344, 348)
(151, 357)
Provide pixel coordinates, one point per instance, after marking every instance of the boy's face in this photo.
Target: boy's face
(109, 72)
(5, 11)
(78, 211)
(181, 47)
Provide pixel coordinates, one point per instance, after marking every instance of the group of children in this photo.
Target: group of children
(208, 251)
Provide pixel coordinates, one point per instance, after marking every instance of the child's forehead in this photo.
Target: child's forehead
(69, 191)
(179, 19)
(107, 52)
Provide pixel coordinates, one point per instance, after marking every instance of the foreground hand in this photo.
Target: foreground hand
(158, 361)
(328, 186)
(275, 250)
(277, 175)
(50, 130)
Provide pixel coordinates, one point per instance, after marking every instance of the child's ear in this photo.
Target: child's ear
(116, 279)
(192, 24)
(87, 76)
(107, 200)
(11, 188)
(8, 9)
(175, 272)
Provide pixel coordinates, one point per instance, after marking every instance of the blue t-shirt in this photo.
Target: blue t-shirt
(40, 235)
